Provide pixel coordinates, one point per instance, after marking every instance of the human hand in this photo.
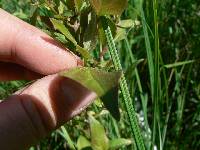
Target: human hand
(33, 112)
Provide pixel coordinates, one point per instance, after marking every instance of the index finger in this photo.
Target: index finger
(26, 45)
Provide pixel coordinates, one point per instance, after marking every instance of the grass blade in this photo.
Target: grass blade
(178, 64)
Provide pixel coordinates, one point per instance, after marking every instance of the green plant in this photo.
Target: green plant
(124, 88)
(79, 35)
(158, 49)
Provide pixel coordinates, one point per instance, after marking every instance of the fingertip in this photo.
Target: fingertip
(43, 54)
(28, 46)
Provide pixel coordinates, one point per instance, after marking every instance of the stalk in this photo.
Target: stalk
(124, 88)
(157, 87)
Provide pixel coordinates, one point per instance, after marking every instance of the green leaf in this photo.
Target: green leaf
(64, 133)
(82, 143)
(99, 140)
(121, 34)
(104, 84)
(84, 52)
(127, 23)
(78, 4)
(90, 35)
(58, 25)
(118, 143)
(109, 7)
(61, 7)
(178, 64)
(95, 80)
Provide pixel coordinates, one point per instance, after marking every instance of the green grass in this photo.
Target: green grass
(164, 87)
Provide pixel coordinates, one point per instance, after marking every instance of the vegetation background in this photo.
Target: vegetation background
(168, 110)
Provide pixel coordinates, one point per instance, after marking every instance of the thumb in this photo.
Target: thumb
(31, 114)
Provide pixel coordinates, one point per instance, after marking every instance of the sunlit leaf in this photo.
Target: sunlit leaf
(83, 142)
(127, 23)
(60, 37)
(109, 7)
(178, 64)
(61, 7)
(58, 25)
(95, 80)
(99, 140)
(64, 133)
(118, 143)
(121, 34)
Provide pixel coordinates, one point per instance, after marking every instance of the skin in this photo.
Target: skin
(32, 113)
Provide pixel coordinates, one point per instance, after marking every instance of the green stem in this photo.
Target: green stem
(124, 89)
(157, 87)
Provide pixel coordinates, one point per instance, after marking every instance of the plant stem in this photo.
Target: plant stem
(124, 89)
(157, 87)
